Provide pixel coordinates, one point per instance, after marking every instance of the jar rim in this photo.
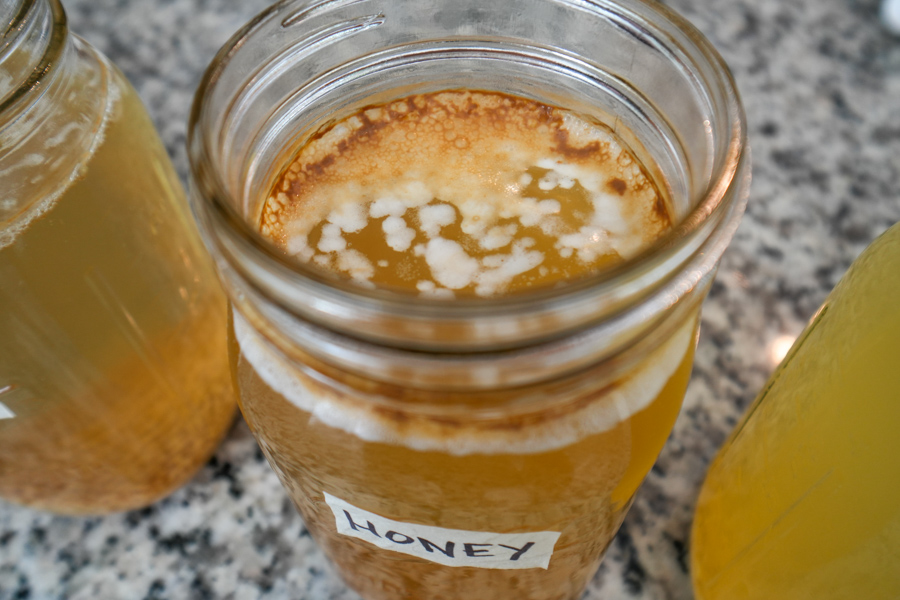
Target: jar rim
(714, 215)
(51, 43)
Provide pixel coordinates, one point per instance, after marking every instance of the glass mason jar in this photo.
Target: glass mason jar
(802, 501)
(474, 447)
(114, 384)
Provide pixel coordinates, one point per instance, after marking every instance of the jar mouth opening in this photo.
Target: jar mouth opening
(35, 35)
(707, 225)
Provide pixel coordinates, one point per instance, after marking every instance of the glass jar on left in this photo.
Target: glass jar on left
(114, 383)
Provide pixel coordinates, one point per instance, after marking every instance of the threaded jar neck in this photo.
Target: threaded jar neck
(34, 38)
(301, 63)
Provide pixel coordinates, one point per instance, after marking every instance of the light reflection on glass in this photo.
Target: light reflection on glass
(779, 348)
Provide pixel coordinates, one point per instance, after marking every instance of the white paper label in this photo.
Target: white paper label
(450, 547)
(5, 413)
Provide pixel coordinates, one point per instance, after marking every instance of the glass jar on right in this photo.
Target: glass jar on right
(803, 501)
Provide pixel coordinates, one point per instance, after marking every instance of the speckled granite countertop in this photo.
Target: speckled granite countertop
(821, 84)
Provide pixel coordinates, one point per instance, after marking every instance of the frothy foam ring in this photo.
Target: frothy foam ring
(52, 148)
(631, 394)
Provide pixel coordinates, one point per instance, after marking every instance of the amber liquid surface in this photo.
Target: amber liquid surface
(457, 194)
(114, 384)
(464, 193)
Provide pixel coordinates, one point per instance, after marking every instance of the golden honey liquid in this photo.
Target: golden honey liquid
(803, 501)
(463, 193)
(113, 365)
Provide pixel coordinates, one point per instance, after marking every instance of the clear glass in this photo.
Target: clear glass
(417, 435)
(802, 501)
(114, 383)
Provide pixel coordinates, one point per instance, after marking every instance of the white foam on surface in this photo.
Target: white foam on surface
(349, 217)
(631, 394)
(499, 269)
(356, 264)
(398, 236)
(498, 237)
(433, 217)
(450, 265)
(468, 167)
(332, 240)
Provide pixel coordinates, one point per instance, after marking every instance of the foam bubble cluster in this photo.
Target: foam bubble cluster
(464, 192)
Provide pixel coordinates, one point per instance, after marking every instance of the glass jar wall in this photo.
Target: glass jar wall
(114, 385)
